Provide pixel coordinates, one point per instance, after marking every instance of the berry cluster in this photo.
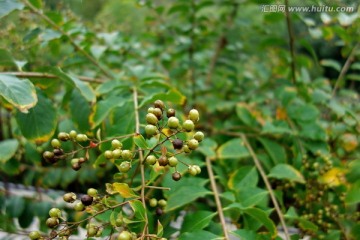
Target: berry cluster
(118, 153)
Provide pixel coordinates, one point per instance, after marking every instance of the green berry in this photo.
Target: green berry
(87, 200)
(92, 192)
(124, 235)
(150, 130)
(153, 202)
(170, 112)
(162, 203)
(159, 104)
(193, 144)
(99, 232)
(74, 161)
(34, 235)
(197, 168)
(73, 134)
(126, 154)
(176, 176)
(55, 143)
(194, 115)
(49, 156)
(173, 122)
(188, 125)
(79, 206)
(151, 110)
(151, 119)
(55, 212)
(63, 136)
(69, 197)
(173, 161)
(81, 138)
(52, 222)
(119, 221)
(151, 160)
(116, 144)
(199, 136)
(192, 170)
(186, 149)
(125, 167)
(158, 113)
(108, 154)
(92, 231)
(163, 160)
(116, 153)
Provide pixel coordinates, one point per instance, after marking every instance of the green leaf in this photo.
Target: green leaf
(40, 123)
(353, 195)
(313, 131)
(124, 190)
(140, 141)
(245, 234)
(138, 209)
(307, 225)
(15, 205)
(196, 221)
(276, 151)
(172, 95)
(7, 6)
(251, 196)
(243, 177)
(331, 64)
(84, 87)
(80, 111)
(288, 172)
(20, 93)
(243, 112)
(262, 217)
(199, 235)
(207, 147)
(26, 217)
(8, 149)
(185, 195)
(232, 149)
(159, 229)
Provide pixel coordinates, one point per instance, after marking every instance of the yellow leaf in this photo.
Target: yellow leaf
(124, 190)
(333, 177)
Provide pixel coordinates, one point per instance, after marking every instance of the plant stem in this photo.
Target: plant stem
(72, 41)
(291, 42)
(345, 68)
(141, 160)
(267, 183)
(217, 198)
(48, 75)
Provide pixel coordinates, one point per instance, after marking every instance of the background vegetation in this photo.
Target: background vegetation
(277, 95)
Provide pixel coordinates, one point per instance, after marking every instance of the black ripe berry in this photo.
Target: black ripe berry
(58, 151)
(176, 176)
(159, 211)
(87, 200)
(177, 144)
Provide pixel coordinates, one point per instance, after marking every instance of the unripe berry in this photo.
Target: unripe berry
(159, 104)
(151, 160)
(125, 167)
(82, 160)
(126, 154)
(197, 168)
(49, 156)
(52, 222)
(73, 134)
(151, 110)
(153, 202)
(99, 232)
(173, 161)
(163, 160)
(192, 170)
(116, 153)
(193, 144)
(63, 136)
(199, 136)
(151, 119)
(177, 143)
(108, 154)
(87, 200)
(76, 166)
(194, 115)
(81, 138)
(124, 235)
(158, 113)
(55, 212)
(188, 125)
(176, 176)
(34, 235)
(55, 143)
(173, 122)
(119, 221)
(116, 144)
(170, 112)
(69, 197)
(186, 149)
(91, 231)
(79, 206)
(92, 192)
(162, 203)
(150, 130)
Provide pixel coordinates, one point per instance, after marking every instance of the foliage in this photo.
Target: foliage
(280, 119)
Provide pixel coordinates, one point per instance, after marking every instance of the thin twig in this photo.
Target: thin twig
(191, 51)
(345, 68)
(267, 183)
(217, 198)
(72, 41)
(291, 42)
(141, 160)
(48, 75)
(221, 43)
